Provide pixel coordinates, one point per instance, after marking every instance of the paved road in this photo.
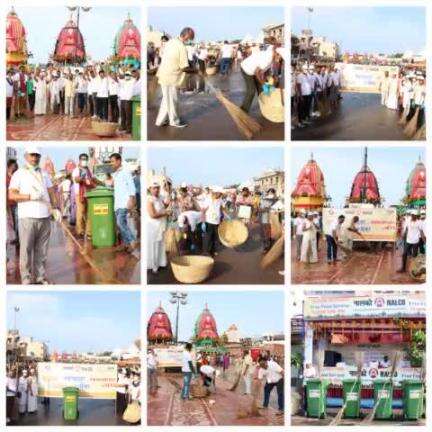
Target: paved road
(359, 117)
(207, 119)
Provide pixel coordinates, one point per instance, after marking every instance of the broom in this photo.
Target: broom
(411, 127)
(244, 122)
(152, 86)
(339, 415)
(370, 417)
(403, 121)
(273, 254)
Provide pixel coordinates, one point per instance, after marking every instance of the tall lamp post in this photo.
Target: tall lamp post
(16, 310)
(179, 298)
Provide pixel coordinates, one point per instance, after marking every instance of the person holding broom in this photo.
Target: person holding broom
(171, 75)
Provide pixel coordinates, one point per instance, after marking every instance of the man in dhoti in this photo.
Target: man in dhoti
(309, 252)
(247, 372)
(171, 75)
(41, 94)
(384, 88)
(32, 392)
(23, 392)
(54, 89)
(392, 101)
(32, 189)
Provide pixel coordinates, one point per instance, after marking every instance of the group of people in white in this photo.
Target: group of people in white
(315, 92)
(100, 91)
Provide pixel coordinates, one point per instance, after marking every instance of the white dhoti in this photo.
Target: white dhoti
(40, 98)
(309, 252)
(392, 101)
(32, 397)
(156, 227)
(168, 110)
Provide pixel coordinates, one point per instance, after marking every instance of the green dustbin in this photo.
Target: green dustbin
(383, 398)
(351, 397)
(70, 403)
(413, 399)
(136, 118)
(316, 394)
(102, 217)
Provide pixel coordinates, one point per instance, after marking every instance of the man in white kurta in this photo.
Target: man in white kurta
(384, 88)
(392, 101)
(23, 392)
(309, 242)
(32, 392)
(171, 74)
(41, 96)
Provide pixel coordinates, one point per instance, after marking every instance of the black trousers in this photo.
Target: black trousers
(102, 108)
(92, 104)
(409, 250)
(212, 235)
(304, 107)
(252, 87)
(81, 101)
(31, 100)
(113, 103)
(126, 115)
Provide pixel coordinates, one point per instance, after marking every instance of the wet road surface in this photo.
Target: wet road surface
(360, 117)
(234, 266)
(91, 413)
(364, 266)
(70, 262)
(221, 408)
(55, 128)
(207, 119)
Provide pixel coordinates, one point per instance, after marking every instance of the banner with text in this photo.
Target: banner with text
(95, 381)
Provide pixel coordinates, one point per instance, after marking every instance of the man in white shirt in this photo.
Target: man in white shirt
(212, 208)
(187, 369)
(247, 371)
(208, 374)
(273, 375)
(92, 92)
(152, 363)
(171, 75)
(102, 96)
(298, 229)
(81, 91)
(126, 92)
(32, 189)
(304, 90)
(412, 232)
(113, 91)
(253, 69)
(332, 233)
(227, 53)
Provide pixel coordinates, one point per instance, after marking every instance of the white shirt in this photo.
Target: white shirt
(187, 357)
(27, 181)
(305, 87)
(203, 53)
(298, 223)
(272, 374)
(413, 229)
(334, 226)
(207, 370)
(113, 87)
(227, 51)
(9, 89)
(151, 361)
(11, 386)
(214, 210)
(126, 89)
(102, 88)
(93, 85)
(65, 186)
(258, 60)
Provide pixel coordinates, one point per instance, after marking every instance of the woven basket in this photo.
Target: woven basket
(271, 106)
(198, 390)
(417, 268)
(232, 233)
(104, 129)
(192, 269)
(211, 70)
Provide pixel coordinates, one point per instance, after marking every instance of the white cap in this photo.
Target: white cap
(183, 185)
(154, 183)
(217, 189)
(30, 149)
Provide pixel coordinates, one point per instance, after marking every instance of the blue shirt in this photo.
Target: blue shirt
(124, 188)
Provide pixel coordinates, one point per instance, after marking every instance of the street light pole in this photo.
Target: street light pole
(178, 298)
(16, 310)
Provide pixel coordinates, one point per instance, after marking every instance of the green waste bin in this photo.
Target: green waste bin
(351, 397)
(383, 398)
(316, 394)
(413, 399)
(136, 118)
(70, 403)
(101, 216)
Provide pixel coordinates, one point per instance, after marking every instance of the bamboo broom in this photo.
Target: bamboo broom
(273, 254)
(246, 125)
(370, 417)
(411, 127)
(403, 121)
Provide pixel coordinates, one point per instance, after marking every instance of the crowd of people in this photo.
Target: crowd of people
(259, 375)
(101, 91)
(128, 392)
(179, 63)
(308, 230)
(185, 220)
(36, 197)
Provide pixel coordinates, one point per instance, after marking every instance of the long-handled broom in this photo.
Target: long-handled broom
(411, 127)
(370, 417)
(244, 122)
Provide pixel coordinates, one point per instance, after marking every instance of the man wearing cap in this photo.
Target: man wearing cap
(412, 232)
(32, 189)
(171, 75)
(298, 229)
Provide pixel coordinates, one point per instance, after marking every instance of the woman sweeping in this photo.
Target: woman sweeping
(156, 227)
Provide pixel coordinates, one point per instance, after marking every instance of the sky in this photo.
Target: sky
(253, 312)
(391, 166)
(214, 23)
(80, 321)
(59, 155)
(366, 29)
(221, 166)
(98, 27)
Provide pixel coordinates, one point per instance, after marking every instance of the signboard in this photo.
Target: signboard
(100, 209)
(170, 356)
(368, 375)
(376, 305)
(376, 224)
(94, 381)
(364, 78)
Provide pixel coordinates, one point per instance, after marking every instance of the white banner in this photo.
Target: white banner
(377, 305)
(95, 381)
(364, 78)
(170, 356)
(375, 224)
